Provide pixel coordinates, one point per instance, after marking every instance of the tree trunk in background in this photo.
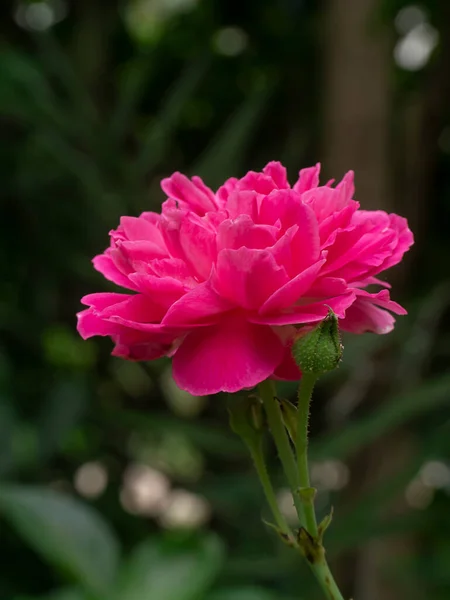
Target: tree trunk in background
(356, 136)
(357, 98)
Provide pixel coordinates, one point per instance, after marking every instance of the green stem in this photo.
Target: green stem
(326, 580)
(305, 391)
(311, 542)
(297, 474)
(260, 465)
(276, 424)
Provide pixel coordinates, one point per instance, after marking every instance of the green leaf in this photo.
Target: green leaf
(165, 571)
(69, 534)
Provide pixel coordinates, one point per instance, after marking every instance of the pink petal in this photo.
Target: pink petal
(243, 203)
(305, 242)
(405, 240)
(199, 306)
(278, 174)
(141, 250)
(135, 309)
(309, 178)
(368, 314)
(138, 228)
(171, 220)
(90, 324)
(198, 243)
(102, 300)
(247, 277)
(348, 183)
(194, 194)
(297, 316)
(257, 182)
(327, 286)
(331, 225)
(287, 370)
(371, 281)
(172, 267)
(382, 298)
(298, 248)
(151, 217)
(105, 265)
(199, 183)
(292, 291)
(164, 291)
(225, 190)
(227, 357)
(235, 233)
(137, 345)
(287, 206)
(365, 317)
(325, 201)
(307, 313)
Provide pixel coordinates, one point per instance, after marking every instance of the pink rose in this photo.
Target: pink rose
(221, 281)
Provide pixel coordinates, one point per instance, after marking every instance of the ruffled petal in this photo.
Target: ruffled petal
(307, 313)
(308, 178)
(289, 294)
(227, 357)
(277, 173)
(247, 277)
(202, 305)
(369, 313)
(242, 231)
(106, 266)
(192, 194)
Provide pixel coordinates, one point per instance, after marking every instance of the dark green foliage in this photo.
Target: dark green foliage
(95, 110)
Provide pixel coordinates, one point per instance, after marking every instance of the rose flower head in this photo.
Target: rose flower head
(222, 281)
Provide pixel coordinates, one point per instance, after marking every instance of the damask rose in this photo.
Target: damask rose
(222, 281)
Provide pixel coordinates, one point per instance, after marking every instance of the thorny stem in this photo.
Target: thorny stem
(309, 541)
(304, 398)
(260, 465)
(280, 436)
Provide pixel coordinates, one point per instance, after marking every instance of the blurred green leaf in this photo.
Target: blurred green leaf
(207, 436)
(67, 533)
(394, 412)
(132, 84)
(248, 593)
(156, 139)
(63, 594)
(64, 407)
(63, 347)
(223, 157)
(165, 571)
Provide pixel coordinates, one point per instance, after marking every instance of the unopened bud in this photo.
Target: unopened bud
(319, 350)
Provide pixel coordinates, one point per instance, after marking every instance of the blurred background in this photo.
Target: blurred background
(115, 484)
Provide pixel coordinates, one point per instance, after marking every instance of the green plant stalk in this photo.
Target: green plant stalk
(305, 391)
(261, 469)
(309, 541)
(280, 436)
(326, 580)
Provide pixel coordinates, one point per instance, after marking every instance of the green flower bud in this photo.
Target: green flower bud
(319, 350)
